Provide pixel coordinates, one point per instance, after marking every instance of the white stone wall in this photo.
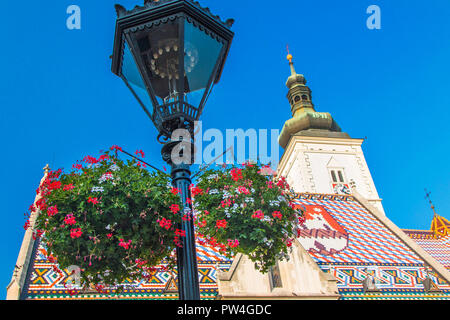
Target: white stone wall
(308, 160)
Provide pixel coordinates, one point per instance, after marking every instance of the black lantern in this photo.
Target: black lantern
(170, 53)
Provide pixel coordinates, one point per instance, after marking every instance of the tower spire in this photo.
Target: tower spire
(291, 63)
(305, 119)
(440, 226)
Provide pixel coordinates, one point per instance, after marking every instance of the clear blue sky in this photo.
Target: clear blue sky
(59, 101)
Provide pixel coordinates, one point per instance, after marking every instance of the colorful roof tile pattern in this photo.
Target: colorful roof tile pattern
(351, 244)
(46, 281)
(438, 247)
(341, 235)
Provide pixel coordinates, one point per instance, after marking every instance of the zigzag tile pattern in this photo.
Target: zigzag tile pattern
(437, 247)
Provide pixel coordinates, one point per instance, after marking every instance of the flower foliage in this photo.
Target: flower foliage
(113, 219)
(245, 210)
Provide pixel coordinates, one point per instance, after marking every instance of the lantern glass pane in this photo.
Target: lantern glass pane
(134, 79)
(201, 55)
(158, 48)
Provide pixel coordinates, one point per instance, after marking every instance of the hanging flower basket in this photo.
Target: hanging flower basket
(244, 210)
(113, 219)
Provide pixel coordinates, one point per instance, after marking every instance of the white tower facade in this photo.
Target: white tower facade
(328, 165)
(319, 157)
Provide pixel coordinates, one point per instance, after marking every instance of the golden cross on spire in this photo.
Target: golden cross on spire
(289, 56)
(427, 196)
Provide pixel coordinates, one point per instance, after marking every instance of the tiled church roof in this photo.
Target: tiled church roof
(438, 247)
(343, 237)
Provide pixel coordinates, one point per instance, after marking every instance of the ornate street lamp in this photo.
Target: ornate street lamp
(170, 53)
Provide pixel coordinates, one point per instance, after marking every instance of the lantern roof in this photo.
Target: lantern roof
(151, 4)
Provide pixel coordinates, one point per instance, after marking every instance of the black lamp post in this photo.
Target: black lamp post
(170, 53)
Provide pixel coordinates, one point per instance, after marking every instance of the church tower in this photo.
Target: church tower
(318, 156)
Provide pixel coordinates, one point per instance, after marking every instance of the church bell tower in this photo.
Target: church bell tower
(319, 157)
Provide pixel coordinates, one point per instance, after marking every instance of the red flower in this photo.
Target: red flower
(141, 153)
(196, 191)
(282, 183)
(90, 160)
(175, 191)
(54, 185)
(77, 166)
(94, 201)
(221, 224)
(125, 245)
(75, 233)
(166, 224)
(109, 235)
(181, 233)
(289, 242)
(178, 242)
(243, 190)
(202, 224)
(301, 220)
(116, 148)
(70, 220)
(233, 243)
(27, 225)
(103, 157)
(225, 203)
(52, 211)
(236, 174)
(175, 208)
(69, 187)
(258, 215)
(277, 214)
